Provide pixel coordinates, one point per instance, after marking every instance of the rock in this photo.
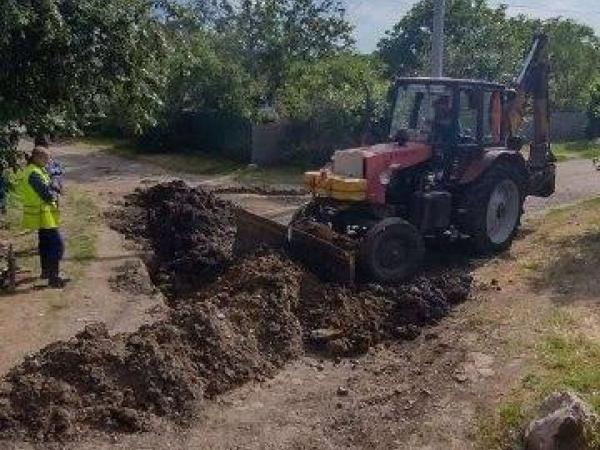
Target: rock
(339, 347)
(324, 335)
(407, 332)
(565, 423)
(461, 378)
(343, 392)
(432, 335)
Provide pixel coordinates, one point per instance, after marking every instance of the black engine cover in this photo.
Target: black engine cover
(431, 210)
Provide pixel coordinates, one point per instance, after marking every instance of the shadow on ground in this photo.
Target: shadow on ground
(572, 273)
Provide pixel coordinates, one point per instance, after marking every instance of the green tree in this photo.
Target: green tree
(594, 109)
(272, 34)
(482, 42)
(575, 62)
(341, 101)
(64, 61)
(203, 79)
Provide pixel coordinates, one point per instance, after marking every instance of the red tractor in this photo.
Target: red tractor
(454, 169)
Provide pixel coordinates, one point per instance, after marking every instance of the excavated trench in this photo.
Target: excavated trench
(231, 320)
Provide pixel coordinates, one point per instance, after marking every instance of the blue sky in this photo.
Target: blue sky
(373, 17)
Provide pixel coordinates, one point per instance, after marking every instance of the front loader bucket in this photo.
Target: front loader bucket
(321, 256)
(254, 231)
(318, 254)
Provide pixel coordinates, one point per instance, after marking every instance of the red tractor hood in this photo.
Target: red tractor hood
(377, 160)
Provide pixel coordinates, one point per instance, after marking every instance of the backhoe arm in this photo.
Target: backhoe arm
(533, 82)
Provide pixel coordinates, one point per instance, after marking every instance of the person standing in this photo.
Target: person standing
(41, 213)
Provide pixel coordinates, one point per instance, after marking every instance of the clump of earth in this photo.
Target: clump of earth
(131, 277)
(190, 231)
(232, 319)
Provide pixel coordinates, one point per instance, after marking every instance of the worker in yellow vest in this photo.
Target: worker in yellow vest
(40, 212)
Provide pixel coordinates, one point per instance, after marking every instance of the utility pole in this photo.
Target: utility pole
(437, 52)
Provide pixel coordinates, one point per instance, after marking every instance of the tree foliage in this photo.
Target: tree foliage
(273, 34)
(484, 42)
(135, 64)
(203, 79)
(340, 100)
(63, 61)
(575, 59)
(594, 109)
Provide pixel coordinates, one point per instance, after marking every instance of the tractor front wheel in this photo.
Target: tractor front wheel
(391, 251)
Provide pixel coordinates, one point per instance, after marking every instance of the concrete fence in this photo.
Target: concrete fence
(268, 142)
(564, 126)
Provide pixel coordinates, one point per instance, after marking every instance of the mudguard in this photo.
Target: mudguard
(489, 157)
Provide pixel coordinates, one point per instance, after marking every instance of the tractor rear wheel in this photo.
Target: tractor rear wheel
(494, 206)
(391, 251)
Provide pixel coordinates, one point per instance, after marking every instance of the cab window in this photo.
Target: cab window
(468, 117)
(492, 117)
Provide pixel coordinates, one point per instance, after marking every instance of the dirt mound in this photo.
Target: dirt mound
(345, 321)
(190, 231)
(241, 328)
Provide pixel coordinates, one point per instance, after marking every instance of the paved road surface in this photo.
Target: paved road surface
(576, 180)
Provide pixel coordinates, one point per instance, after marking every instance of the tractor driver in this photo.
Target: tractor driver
(442, 119)
(443, 133)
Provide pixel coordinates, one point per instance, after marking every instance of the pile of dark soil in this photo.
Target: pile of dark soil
(346, 321)
(257, 313)
(190, 231)
(241, 328)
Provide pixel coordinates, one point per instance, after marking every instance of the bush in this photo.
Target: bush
(594, 110)
(336, 102)
(217, 133)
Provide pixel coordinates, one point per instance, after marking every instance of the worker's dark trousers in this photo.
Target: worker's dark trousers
(52, 249)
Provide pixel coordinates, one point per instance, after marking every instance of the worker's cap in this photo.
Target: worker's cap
(40, 152)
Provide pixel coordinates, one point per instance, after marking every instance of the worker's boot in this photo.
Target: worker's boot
(54, 278)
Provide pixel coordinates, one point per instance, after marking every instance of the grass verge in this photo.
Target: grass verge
(560, 259)
(204, 164)
(567, 361)
(576, 150)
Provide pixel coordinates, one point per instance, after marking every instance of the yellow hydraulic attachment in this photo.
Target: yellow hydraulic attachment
(327, 184)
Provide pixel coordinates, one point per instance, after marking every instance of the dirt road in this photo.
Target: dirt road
(576, 180)
(424, 394)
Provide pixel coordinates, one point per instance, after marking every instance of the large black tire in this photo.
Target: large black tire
(391, 251)
(492, 208)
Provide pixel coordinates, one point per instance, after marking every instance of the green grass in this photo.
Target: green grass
(563, 353)
(204, 164)
(566, 363)
(79, 224)
(576, 150)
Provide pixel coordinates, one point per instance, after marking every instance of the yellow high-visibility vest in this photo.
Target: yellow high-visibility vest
(37, 213)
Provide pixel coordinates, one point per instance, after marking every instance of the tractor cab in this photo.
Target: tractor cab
(448, 112)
